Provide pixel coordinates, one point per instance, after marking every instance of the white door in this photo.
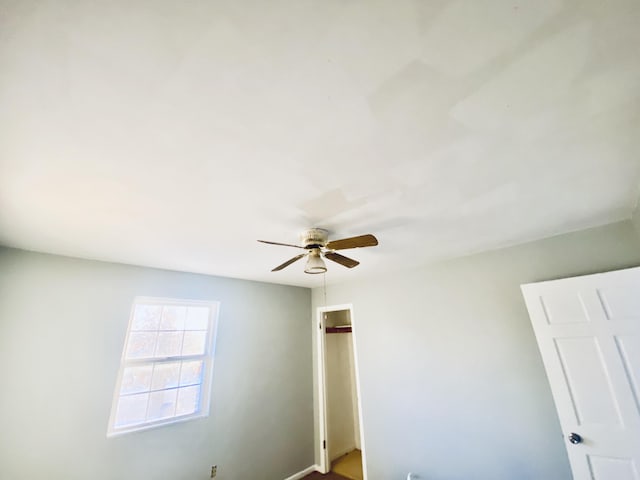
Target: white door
(588, 332)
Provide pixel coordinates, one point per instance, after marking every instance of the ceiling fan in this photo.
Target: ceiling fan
(316, 242)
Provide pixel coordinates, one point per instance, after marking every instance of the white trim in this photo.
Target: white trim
(359, 395)
(322, 392)
(303, 473)
(342, 453)
(324, 466)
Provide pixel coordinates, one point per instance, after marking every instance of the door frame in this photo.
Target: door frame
(325, 463)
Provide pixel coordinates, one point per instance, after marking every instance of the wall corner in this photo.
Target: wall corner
(635, 220)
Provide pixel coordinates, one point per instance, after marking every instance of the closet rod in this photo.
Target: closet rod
(346, 329)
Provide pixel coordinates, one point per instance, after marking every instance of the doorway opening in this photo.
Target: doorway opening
(341, 438)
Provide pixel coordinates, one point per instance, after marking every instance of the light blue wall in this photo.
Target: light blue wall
(453, 386)
(62, 326)
(636, 222)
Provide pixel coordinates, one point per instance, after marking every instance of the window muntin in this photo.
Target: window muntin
(166, 364)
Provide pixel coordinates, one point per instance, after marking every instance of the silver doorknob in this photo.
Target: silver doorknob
(575, 438)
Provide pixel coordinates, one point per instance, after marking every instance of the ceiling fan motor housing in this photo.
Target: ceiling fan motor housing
(314, 238)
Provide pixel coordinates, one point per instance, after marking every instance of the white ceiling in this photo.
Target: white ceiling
(174, 134)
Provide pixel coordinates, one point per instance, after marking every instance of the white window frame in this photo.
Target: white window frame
(207, 357)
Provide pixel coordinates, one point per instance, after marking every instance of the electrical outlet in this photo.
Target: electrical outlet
(214, 470)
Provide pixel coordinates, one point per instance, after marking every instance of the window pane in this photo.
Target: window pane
(165, 367)
(191, 373)
(197, 318)
(162, 404)
(136, 379)
(146, 317)
(194, 343)
(141, 344)
(188, 400)
(165, 375)
(132, 409)
(173, 318)
(169, 344)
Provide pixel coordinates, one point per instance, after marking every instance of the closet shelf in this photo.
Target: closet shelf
(339, 329)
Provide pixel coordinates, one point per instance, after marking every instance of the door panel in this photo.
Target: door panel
(620, 304)
(603, 468)
(588, 332)
(561, 309)
(629, 349)
(588, 381)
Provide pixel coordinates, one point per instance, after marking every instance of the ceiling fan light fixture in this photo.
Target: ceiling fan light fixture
(315, 242)
(315, 264)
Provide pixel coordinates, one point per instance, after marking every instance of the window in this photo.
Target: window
(166, 366)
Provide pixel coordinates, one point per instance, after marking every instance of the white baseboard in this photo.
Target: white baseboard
(342, 453)
(303, 473)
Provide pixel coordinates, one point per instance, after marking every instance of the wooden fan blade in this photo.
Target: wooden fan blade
(353, 242)
(289, 262)
(278, 243)
(341, 259)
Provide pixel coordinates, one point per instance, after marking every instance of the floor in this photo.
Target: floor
(347, 467)
(328, 476)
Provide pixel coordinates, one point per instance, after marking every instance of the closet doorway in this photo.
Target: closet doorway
(341, 439)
